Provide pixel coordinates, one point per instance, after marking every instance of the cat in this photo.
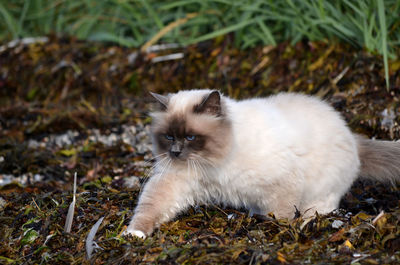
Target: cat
(276, 154)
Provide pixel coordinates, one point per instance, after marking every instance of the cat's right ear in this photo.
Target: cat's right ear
(163, 100)
(211, 104)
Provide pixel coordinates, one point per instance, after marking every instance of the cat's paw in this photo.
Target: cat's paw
(134, 232)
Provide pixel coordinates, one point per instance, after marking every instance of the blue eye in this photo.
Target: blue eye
(190, 137)
(169, 137)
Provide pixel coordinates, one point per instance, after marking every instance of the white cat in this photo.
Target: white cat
(266, 154)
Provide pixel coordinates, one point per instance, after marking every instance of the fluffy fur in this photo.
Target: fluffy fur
(267, 155)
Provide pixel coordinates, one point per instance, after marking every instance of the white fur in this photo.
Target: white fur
(288, 151)
(291, 150)
(136, 233)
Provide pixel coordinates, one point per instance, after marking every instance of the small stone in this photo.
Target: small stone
(132, 182)
(112, 139)
(6, 179)
(62, 140)
(37, 178)
(129, 135)
(370, 200)
(2, 203)
(231, 216)
(337, 224)
(348, 215)
(33, 144)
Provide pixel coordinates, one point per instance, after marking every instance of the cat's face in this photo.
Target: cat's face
(193, 125)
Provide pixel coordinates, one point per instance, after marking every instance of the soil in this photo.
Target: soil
(69, 106)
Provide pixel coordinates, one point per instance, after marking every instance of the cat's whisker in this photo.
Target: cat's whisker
(205, 160)
(203, 169)
(199, 167)
(202, 158)
(151, 171)
(163, 163)
(195, 168)
(192, 172)
(166, 167)
(157, 164)
(154, 158)
(189, 163)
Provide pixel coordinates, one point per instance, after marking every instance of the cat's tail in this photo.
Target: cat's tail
(380, 160)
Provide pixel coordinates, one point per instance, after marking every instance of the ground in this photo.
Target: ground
(69, 106)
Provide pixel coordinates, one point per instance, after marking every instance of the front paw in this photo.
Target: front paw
(133, 233)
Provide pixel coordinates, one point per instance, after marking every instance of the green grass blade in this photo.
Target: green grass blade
(152, 13)
(176, 4)
(110, 37)
(383, 29)
(267, 32)
(222, 31)
(23, 15)
(10, 21)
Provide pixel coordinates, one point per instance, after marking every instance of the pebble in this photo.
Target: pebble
(231, 216)
(137, 136)
(6, 179)
(131, 135)
(2, 203)
(370, 200)
(65, 139)
(337, 223)
(128, 135)
(132, 182)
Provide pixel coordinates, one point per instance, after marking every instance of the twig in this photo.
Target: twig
(340, 76)
(173, 56)
(167, 29)
(379, 216)
(37, 206)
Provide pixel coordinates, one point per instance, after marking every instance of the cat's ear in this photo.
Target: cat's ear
(163, 100)
(211, 104)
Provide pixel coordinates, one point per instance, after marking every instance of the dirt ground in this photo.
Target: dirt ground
(68, 106)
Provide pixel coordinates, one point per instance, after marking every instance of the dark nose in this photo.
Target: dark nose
(175, 153)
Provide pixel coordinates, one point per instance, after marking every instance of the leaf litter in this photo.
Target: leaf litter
(73, 106)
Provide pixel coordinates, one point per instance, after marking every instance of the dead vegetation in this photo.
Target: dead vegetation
(69, 106)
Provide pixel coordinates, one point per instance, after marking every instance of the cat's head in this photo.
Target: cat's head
(192, 125)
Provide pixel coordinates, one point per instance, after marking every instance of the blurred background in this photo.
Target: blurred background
(105, 52)
(74, 82)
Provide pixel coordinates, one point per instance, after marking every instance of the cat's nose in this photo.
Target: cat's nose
(175, 153)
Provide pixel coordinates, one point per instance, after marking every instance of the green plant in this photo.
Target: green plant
(369, 24)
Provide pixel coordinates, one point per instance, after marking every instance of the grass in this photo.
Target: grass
(369, 24)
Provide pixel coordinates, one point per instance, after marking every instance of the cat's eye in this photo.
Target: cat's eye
(169, 137)
(190, 137)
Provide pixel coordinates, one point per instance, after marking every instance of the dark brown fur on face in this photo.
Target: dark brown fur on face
(178, 129)
(205, 121)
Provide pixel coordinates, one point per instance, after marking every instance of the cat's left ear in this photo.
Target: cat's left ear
(163, 100)
(211, 104)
